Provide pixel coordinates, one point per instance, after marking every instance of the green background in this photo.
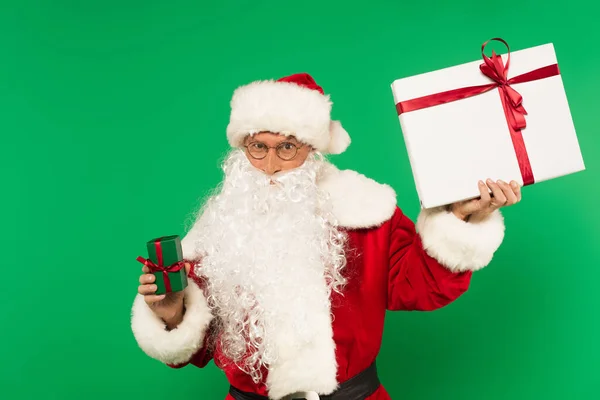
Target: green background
(112, 120)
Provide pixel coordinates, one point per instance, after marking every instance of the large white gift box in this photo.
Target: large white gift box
(456, 136)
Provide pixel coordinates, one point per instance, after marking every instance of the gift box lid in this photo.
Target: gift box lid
(169, 248)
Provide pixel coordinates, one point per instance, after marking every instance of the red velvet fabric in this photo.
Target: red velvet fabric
(303, 79)
(387, 270)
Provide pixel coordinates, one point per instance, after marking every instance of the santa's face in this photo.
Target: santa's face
(273, 153)
(272, 254)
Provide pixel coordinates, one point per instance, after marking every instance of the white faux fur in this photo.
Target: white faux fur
(459, 245)
(340, 140)
(178, 345)
(312, 367)
(188, 244)
(357, 201)
(288, 109)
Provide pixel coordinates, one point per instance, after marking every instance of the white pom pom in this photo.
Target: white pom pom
(340, 140)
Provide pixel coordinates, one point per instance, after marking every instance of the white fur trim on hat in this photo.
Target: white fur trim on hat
(340, 140)
(459, 245)
(178, 345)
(286, 108)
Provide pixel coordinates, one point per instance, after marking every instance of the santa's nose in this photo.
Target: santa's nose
(272, 165)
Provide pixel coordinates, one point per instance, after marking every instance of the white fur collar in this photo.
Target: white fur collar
(358, 201)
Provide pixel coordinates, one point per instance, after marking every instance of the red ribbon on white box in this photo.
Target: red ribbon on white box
(512, 101)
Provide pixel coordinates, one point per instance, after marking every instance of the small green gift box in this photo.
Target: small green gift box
(165, 261)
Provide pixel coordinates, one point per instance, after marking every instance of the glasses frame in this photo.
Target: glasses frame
(297, 147)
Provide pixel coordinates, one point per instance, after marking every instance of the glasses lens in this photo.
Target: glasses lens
(286, 150)
(257, 150)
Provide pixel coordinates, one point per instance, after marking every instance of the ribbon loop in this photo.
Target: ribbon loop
(495, 69)
(495, 63)
(148, 263)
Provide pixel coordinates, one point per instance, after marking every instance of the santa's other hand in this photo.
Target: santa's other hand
(147, 288)
(503, 195)
(168, 306)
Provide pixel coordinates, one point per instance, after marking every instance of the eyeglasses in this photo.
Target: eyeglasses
(285, 150)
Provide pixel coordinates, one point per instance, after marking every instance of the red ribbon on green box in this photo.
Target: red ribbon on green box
(160, 267)
(512, 101)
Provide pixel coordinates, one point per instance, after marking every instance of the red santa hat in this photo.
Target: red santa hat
(293, 105)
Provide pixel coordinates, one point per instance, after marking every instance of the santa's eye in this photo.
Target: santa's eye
(258, 146)
(287, 150)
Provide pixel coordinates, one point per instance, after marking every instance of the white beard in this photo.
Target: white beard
(272, 255)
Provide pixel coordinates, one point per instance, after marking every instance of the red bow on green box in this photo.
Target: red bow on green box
(165, 261)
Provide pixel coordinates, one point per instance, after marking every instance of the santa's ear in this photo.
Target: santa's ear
(340, 140)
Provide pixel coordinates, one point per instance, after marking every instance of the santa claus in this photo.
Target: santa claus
(293, 263)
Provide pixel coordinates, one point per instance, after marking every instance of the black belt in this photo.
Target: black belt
(358, 387)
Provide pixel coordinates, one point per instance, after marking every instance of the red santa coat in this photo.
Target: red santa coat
(393, 265)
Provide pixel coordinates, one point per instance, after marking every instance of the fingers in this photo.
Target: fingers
(509, 193)
(499, 197)
(147, 289)
(516, 189)
(504, 194)
(153, 298)
(147, 278)
(485, 195)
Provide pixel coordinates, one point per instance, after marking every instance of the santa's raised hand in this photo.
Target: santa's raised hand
(502, 195)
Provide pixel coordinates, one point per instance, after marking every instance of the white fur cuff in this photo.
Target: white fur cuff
(178, 345)
(458, 245)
